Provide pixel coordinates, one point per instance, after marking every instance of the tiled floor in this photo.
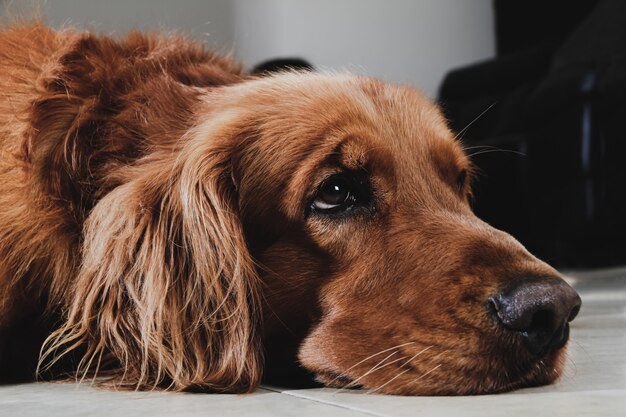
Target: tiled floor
(594, 383)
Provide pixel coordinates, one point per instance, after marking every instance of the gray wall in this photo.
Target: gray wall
(407, 41)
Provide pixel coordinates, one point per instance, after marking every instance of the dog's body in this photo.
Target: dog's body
(166, 221)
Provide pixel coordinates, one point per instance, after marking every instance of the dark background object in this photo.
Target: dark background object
(521, 24)
(551, 145)
(281, 64)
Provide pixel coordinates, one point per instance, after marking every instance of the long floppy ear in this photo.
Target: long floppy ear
(167, 293)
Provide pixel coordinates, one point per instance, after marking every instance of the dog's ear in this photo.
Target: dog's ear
(99, 102)
(167, 292)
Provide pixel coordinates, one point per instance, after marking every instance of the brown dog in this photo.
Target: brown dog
(165, 221)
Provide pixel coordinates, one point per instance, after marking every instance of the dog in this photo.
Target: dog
(168, 222)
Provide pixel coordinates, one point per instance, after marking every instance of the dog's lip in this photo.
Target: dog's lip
(336, 379)
(530, 377)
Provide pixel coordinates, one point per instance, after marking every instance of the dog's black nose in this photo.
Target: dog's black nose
(539, 309)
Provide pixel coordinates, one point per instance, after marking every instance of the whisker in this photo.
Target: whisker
(460, 133)
(280, 321)
(406, 370)
(376, 367)
(423, 375)
(582, 347)
(573, 369)
(467, 148)
(372, 356)
(435, 368)
(388, 382)
(496, 150)
(416, 355)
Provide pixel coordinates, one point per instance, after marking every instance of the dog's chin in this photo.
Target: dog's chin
(507, 378)
(544, 371)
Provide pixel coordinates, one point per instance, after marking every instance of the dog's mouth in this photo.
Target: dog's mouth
(451, 377)
(336, 380)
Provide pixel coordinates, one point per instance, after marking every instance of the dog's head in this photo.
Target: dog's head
(328, 213)
(354, 199)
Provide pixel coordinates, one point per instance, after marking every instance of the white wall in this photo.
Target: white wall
(209, 20)
(408, 41)
(413, 41)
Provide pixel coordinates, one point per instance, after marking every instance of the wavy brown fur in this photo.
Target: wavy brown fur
(92, 156)
(159, 227)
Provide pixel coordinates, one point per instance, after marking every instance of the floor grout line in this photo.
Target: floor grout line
(342, 406)
(316, 400)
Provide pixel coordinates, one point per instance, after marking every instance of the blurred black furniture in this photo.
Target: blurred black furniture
(282, 64)
(552, 148)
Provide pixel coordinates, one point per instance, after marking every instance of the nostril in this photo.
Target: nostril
(542, 321)
(539, 309)
(493, 305)
(575, 310)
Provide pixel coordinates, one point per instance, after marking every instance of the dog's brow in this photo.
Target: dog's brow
(352, 153)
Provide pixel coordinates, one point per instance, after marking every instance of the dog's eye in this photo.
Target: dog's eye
(335, 194)
(460, 181)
